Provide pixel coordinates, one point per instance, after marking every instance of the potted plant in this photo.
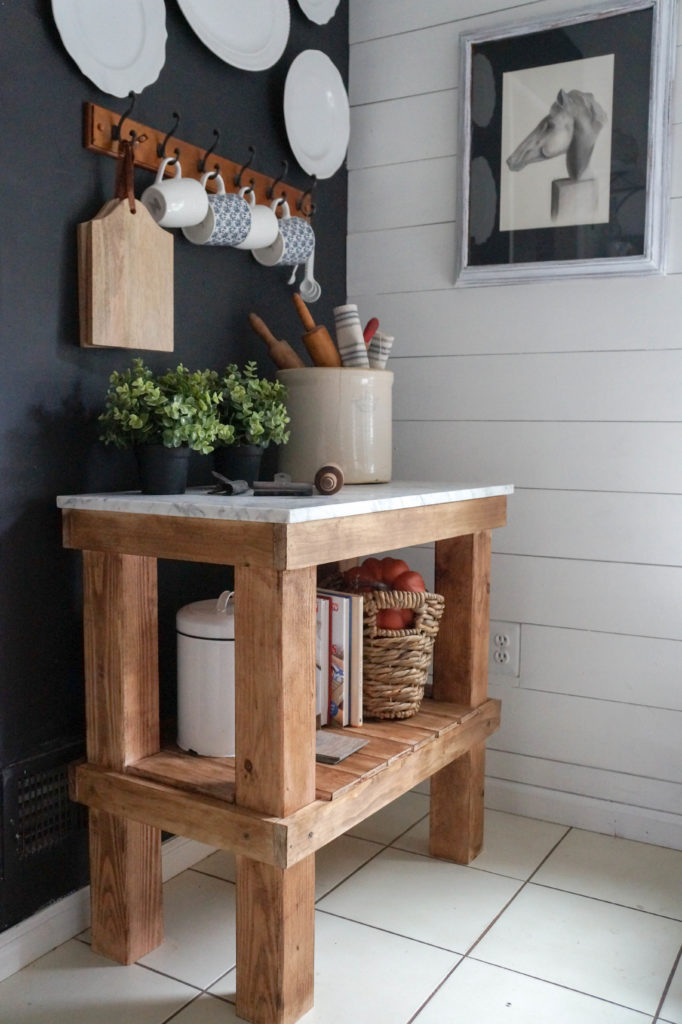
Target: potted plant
(162, 418)
(254, 407)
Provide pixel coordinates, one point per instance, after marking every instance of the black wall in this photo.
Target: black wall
(51, 390)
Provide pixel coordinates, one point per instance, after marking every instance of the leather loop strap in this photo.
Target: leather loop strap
(125, 183)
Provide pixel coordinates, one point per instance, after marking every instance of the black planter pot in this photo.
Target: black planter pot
(239, 461)
(162, 470)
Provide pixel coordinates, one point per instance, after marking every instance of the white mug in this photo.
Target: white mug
(176, 202)
(228, 219)
(264, 225)
(294, 243)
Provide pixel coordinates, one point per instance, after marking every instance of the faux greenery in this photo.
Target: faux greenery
(253, 406)
(179, 407)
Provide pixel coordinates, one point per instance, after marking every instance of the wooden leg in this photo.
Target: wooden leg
(121, 689)
(125, 887)
(275, 774)
(275, 940)
(461, 676)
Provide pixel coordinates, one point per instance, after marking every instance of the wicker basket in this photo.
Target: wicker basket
(396, 661)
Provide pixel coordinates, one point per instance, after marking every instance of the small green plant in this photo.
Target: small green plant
(177, 408)
(253, 406)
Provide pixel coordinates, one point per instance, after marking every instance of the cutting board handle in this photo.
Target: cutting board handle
(125, 179)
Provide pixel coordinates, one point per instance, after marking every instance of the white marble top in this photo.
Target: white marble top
(351, 500)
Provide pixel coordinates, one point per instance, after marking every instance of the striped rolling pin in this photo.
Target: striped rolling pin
(349, 337)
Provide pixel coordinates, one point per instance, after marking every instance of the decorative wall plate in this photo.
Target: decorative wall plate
(316, 113)
(118, 46)
(319, 11)
(249, 35)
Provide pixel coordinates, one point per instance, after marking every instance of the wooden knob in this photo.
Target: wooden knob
(329, 479)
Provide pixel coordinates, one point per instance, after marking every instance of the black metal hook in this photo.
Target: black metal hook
(285, 170)
(238, 177)
(161, 146)
(116, 128)
(312, 207)
(202, 163)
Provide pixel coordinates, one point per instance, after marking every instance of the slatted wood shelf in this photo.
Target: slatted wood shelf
(172, 786)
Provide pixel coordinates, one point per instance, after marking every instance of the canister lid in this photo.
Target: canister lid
(208, 620)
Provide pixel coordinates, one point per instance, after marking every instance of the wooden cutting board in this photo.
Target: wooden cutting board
(125, 280)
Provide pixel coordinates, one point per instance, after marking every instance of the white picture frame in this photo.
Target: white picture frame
(564, 145)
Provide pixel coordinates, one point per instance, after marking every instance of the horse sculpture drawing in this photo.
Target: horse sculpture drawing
(571, 127)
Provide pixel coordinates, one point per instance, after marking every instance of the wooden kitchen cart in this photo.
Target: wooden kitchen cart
(271, 804)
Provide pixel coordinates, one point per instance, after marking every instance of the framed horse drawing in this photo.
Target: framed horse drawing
(564, 145)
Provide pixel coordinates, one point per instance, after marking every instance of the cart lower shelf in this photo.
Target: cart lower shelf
(195, 796)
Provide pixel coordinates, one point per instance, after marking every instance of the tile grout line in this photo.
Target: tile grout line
(666, 988)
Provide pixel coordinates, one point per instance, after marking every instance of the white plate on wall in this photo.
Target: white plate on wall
(249, 34)
(319, 11)
(316, 113)
(119, 46)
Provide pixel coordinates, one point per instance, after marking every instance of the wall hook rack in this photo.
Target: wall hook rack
(238, 176)
(285, 171)
(98, 123)
(201, 166)
(116, 128)
(161, 147)
(312, 207)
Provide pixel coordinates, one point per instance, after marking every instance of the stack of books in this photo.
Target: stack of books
(339, 658)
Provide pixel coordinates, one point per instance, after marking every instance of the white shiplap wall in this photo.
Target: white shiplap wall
(571, 390)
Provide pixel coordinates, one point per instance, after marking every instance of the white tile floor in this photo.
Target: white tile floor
(550, 925)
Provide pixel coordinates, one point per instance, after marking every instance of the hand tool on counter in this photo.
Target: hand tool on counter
(317, 338)
(280, 351)
(371, 327)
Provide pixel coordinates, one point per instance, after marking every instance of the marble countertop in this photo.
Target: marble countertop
(351, 500)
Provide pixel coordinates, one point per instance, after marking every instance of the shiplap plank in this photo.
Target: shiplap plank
(621, 787)
(595, 734)
(639, 457)
(566, 386)
(371, 19)
(607, 666)
(422, 258)
(378, 69)
(567, 316)
(609, 817)
(400, 195)
(413, 128)
(641, 600)
(591, 524)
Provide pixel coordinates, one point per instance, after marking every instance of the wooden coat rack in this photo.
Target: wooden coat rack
(100, 134)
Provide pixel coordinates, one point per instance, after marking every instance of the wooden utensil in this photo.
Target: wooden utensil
(371, 327)
(125, 275)
(317, 338)
(280, 351)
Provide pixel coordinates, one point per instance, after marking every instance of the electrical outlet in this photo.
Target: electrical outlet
(505, 648)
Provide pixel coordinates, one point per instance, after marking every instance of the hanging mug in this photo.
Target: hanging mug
(264, 224)
(175, 202)
(228, 219)
(294, 243)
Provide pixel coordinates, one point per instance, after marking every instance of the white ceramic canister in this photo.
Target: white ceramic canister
(340, 415)
(205, 644)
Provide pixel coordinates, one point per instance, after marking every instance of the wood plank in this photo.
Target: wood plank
(122, 712)
(460, 660)
(275, 689)
(398, 730)
(214, 776)
(456, 808)
(275, 940)
(393, 132)
(192, 814)
(216, 541)
(321, 822)
(125, 887)
(593, 314)
(326, 540)
(564, 456)
(121, 657)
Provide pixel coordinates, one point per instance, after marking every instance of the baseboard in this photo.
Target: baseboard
(41, 932)
(643, 824)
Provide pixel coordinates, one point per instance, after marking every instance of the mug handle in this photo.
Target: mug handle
(286, 212)
(220, 191)
(246, 192)
(164, 164)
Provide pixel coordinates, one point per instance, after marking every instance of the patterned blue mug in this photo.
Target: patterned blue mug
(228, 220)
(295, 240)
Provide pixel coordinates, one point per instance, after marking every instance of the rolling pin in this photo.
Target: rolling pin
(316, 339)
(281, 352)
